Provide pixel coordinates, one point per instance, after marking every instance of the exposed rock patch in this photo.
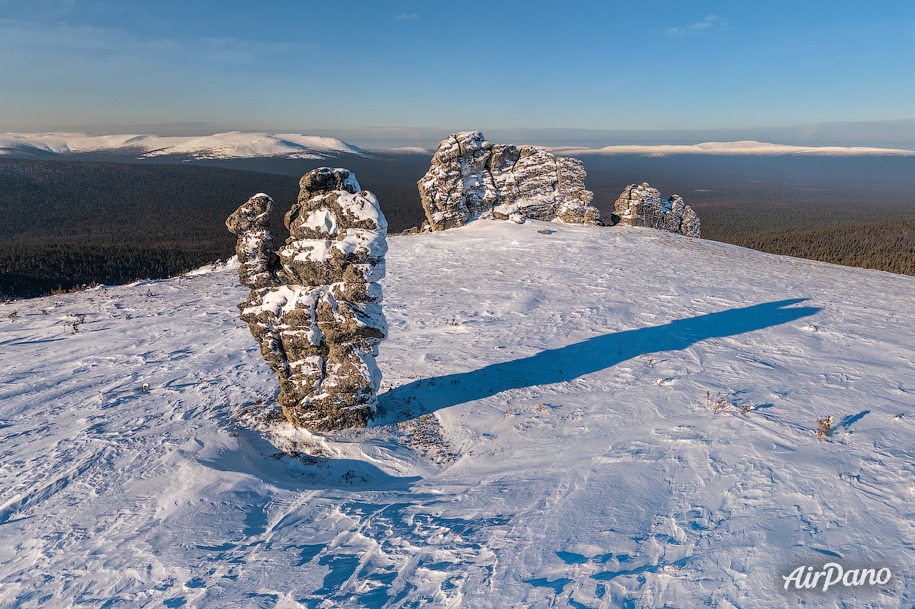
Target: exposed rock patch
(315, 304)
(471, 178)
(642, 205)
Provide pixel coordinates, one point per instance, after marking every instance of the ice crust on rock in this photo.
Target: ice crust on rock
(642, 205)
(315, 304)
(470, 178)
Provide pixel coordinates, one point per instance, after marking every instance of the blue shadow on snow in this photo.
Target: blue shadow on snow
(585, 357)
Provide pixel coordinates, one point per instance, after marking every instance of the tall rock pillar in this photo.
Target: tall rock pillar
(318, 314)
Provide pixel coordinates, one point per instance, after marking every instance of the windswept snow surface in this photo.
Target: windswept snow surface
(234, 144)
(545, 437)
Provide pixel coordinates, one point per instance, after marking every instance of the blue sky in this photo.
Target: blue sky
(837, 72)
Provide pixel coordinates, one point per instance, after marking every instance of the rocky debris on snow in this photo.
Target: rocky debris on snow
(642, 205)
(471, 178)
(315, 304)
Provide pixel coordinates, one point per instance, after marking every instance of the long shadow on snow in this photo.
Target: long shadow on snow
(585, 357)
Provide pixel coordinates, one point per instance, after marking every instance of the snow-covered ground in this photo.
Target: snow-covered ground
(547, 436)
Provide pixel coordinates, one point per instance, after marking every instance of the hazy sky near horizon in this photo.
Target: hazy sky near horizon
(379, 68)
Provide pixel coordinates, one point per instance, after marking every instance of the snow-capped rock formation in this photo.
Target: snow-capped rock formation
(471, 178)
(642, 205)
(256, 254)
(315, 305)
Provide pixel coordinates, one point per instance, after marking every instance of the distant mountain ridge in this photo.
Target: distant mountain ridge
(230, 145)
(249, 145)
(738, 148)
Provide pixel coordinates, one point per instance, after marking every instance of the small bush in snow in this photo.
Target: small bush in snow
(76, 322)
(719, 404)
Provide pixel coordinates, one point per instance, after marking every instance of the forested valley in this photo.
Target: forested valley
(74, 223)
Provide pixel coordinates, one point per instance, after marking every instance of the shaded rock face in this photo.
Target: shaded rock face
(642, 205)
(315, 304)
(471, 178)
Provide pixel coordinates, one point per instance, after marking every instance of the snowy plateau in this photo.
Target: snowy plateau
(570, 416)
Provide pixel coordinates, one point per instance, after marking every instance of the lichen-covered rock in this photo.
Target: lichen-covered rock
(642, 205)
(471, 178)
(315, 305)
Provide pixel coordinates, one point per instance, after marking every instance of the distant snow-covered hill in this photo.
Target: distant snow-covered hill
(242, 145)
(232, 145)
(571, 417)
(740, 148)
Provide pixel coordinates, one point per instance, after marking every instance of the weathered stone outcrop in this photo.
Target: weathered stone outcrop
(315, 305)
(642, 205)
(256, 253)
(471, 178)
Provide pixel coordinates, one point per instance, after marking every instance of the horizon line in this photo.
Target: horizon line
(285, 143)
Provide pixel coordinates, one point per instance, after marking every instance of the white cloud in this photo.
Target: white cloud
(406, 17)
(711, 23)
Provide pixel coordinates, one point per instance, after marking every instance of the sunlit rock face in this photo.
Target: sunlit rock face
(642, 205)
(470, 178)
(315, 304)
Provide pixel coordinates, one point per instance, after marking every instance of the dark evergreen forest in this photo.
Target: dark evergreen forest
(70, 223)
